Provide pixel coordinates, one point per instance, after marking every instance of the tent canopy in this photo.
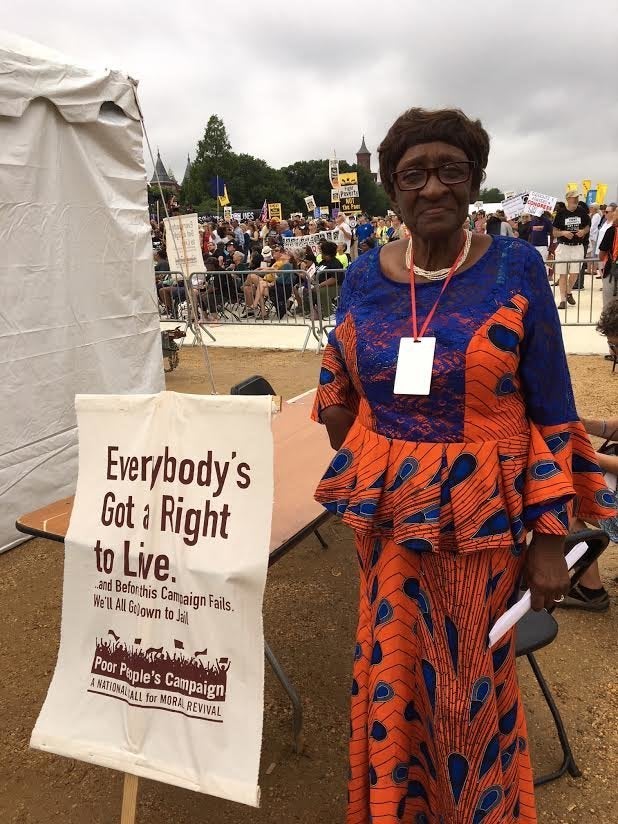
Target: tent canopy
(77, 300)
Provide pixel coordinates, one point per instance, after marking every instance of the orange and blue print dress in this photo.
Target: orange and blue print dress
(441, 492)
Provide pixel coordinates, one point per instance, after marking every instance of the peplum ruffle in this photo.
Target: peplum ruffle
(457, 497)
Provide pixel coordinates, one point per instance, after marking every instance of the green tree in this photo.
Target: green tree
(491, 195)
(215, 144)
(251, 180)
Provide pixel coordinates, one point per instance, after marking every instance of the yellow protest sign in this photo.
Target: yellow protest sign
(274, 211)
(586, 185)
(601, 192)
(348, 178)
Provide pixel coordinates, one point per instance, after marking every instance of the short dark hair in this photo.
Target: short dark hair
(423, 126)
(328, 248)
(608, 322)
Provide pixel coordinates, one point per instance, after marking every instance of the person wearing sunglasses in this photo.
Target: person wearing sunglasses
(445, 390)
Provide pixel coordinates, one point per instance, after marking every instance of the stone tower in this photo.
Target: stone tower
(363, 156)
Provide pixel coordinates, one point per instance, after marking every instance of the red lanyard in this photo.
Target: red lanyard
(435, 306)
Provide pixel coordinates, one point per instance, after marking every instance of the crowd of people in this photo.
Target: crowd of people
(249, 264)
(573, 232)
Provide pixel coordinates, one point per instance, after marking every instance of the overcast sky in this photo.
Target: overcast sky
(295, 80)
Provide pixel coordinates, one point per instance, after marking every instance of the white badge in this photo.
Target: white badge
(414, 366)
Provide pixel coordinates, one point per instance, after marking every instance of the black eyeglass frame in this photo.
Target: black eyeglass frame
(471, 164)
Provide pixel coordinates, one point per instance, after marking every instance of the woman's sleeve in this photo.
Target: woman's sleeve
(335, 388)
(563, 477)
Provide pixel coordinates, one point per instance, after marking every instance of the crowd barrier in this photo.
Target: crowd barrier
(243, 299)
(587, 291)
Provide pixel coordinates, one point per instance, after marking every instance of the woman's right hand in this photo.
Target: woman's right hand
(338, 421)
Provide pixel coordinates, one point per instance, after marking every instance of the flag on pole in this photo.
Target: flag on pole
(264, 215)
(223, 198)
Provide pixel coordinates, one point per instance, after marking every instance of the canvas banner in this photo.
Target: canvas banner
(161, 663)
(183, 244)
(538, 203)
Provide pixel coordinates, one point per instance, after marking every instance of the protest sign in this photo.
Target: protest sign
(334, 195)
(324, 211)
(183, 244)
(601, 192)
(296, 216)
(316, 213)
(513, 206)
(348, 179)
(227, 212)
(538, 203)
(311, 240)
(333, 173)
(160, 667)
(591, 197)
(274, 211)
(349, 201)
(310, 203)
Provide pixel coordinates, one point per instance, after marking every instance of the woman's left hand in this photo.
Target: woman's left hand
(546, 570)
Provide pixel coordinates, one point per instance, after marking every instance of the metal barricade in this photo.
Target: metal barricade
(579, 278)
(287, 299)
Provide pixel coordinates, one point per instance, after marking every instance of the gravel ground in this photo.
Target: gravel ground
(310, 616)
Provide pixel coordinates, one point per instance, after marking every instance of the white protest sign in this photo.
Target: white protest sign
(161, 663)
(513, 206)
(333, 173)
(313, 240)
(227, 212)
(183, 245)
(348, 191)
(310, 202)
(539, 203)
(334, 195)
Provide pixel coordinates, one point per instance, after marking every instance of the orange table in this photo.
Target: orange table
(301, 455)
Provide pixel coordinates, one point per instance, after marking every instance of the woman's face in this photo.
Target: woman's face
(437, 210)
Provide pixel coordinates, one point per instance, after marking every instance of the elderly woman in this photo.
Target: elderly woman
(445, 389)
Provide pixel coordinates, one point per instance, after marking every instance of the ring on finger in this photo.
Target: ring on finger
(559, 600)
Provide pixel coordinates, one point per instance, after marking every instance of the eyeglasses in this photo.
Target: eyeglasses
(448, 173)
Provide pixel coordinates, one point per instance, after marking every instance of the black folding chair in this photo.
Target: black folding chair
(538, 629)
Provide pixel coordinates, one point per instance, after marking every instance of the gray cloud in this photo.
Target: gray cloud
(295, 81)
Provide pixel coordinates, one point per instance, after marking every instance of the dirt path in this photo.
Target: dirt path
(310, 616)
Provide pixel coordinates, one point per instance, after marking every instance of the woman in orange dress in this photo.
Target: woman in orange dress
(442, 483)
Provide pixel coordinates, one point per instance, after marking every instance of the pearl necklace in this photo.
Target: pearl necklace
(439, 274)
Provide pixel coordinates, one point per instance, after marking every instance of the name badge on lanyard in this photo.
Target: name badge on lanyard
(416, 355)
(414, 366)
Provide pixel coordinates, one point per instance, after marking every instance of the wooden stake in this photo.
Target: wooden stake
(129, 799)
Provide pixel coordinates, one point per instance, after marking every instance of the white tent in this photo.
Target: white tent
(77, 298)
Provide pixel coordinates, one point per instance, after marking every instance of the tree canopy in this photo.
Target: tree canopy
(250, 180)
(491, 195)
